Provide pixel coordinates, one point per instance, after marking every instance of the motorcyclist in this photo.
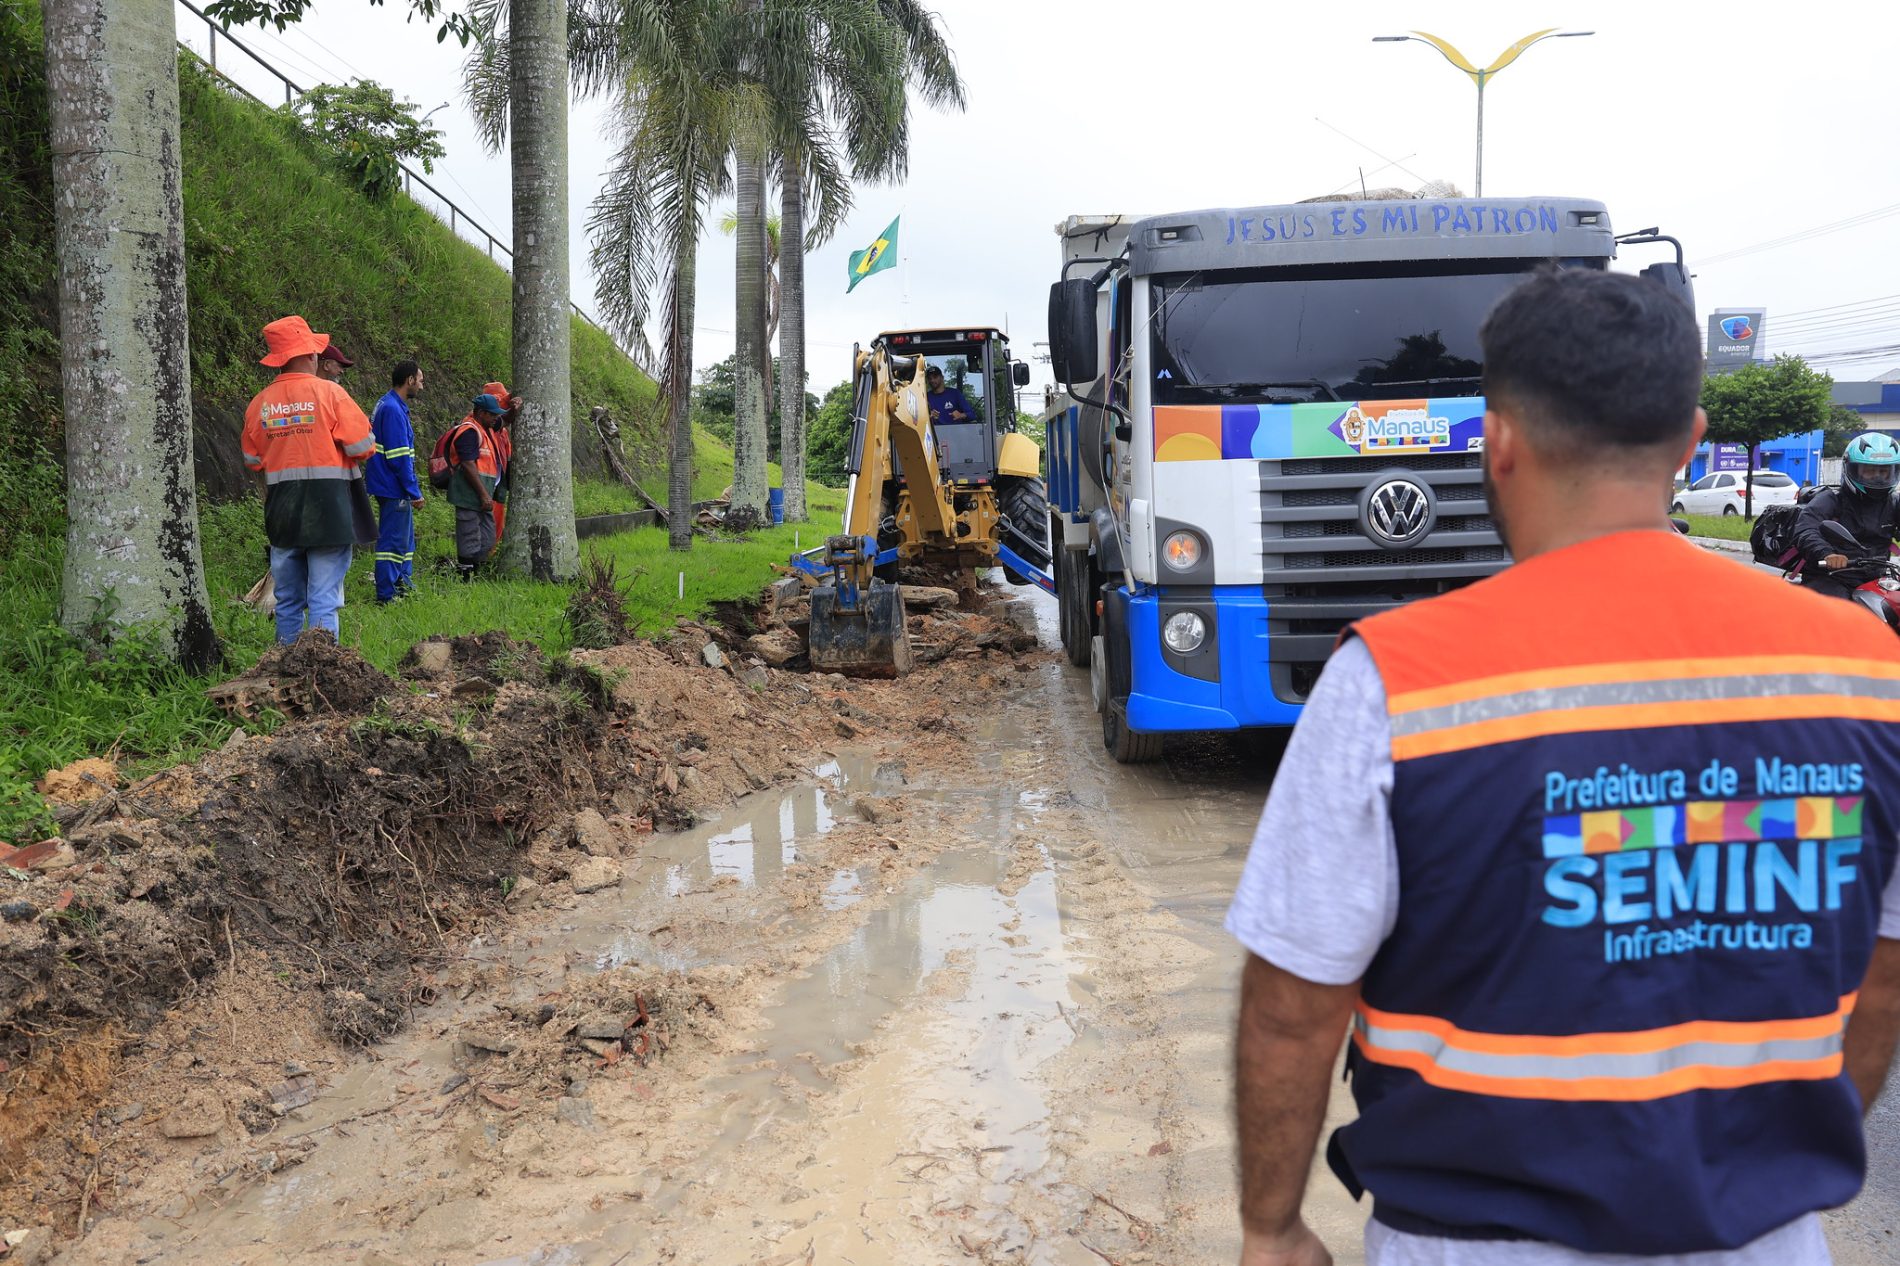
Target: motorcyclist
(1863, 504)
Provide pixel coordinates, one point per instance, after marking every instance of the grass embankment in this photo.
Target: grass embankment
(271, 226)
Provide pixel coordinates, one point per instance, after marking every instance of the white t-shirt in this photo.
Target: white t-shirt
(1320, 894)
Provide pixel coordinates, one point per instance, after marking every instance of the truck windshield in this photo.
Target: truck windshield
(1360, 332)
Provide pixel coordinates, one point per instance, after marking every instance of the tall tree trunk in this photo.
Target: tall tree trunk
(791, 338)
(540, 540)
(125, 353)
(748, 437)
(679, 380)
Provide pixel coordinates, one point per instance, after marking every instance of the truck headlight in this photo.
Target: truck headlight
(1182, 551)
(1184, 632)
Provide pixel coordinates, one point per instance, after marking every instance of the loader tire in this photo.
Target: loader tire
(1025, 503)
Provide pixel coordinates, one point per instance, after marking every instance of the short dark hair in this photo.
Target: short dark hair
(403, 372)
(1594, 361)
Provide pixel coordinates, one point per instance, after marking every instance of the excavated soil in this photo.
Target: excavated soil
(223, 932)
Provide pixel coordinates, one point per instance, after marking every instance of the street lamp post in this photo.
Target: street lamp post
(1479, 75)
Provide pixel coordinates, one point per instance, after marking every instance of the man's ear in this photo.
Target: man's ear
(1697, 430)
(1503, 441)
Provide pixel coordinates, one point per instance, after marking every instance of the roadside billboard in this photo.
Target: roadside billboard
(1729, 457)
(1735, 337)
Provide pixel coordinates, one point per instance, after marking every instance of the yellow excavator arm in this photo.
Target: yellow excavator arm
(896, 419)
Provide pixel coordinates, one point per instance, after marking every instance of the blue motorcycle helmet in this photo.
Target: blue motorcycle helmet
(1871, 464)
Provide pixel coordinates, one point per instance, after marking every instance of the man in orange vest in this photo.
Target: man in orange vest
(474, 483)
(1595, 858)
(503, 435)
(305, 440)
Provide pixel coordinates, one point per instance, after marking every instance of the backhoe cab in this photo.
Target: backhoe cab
(928, 488)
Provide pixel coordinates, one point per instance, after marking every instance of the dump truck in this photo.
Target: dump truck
(1268, 424)
(949, 487)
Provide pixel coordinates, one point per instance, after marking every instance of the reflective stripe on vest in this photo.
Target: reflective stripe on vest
(1645, 1064)
(1640, 695)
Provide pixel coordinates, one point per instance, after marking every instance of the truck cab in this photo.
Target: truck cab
(1272, 427)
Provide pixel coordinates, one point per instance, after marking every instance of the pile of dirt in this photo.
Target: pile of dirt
(337, 678)
(340, 862)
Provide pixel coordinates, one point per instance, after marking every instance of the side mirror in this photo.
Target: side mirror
(1072, 350)
(1839, 537)
(1019, 373)
(1672, 277)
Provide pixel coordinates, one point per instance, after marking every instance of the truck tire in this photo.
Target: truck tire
(1073, 594)
(1025, 503)
(1128, 747)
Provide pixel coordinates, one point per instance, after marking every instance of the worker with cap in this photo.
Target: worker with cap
(331, 362)
(472, 486)
(504, 438)
(390, 477)
(306, 441)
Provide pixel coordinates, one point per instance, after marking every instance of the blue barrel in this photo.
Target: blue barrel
(775, 501)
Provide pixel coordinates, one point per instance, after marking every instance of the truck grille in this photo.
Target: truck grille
(1321, 572)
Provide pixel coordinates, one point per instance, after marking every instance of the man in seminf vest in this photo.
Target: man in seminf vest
(1595, 859)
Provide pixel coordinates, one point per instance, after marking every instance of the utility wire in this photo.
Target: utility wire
(1803, 235)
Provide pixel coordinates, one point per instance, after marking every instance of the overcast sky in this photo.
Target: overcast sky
(1729, 126)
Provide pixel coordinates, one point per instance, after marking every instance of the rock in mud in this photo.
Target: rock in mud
(523, 894)
(712, 655)
(430, 659)
(602, 1026)
(198, 1115)
(755, 678)
(591, 874)
(777, 648)
(30, 1247)
(575, 1112)
(594, 836)
(929, 598)
(492, 1043)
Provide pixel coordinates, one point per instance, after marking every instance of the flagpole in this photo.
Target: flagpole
(904, 260)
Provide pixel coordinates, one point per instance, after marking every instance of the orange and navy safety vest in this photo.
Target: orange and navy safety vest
(487, 463)
(1644, 801)
(308, 439)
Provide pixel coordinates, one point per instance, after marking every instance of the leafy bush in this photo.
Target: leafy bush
(369, 132)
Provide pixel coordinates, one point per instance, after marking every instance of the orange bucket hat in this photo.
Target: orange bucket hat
(500, 393)
(288, 338)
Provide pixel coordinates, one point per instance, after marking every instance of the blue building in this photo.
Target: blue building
(1796, 456)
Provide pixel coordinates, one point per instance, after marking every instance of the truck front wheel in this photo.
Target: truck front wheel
(1128, 747)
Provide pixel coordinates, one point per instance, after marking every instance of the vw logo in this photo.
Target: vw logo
(1398, 513)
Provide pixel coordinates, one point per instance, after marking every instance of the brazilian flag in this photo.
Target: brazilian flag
(876, 257)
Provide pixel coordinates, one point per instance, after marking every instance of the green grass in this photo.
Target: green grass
(1727, 527)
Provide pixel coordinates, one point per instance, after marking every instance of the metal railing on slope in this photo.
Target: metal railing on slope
(457, 215)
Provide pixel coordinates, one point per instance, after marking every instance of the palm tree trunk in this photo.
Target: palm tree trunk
(679, 382)
(540, 540)
(132, 552)
(791, 361)
(748, 440)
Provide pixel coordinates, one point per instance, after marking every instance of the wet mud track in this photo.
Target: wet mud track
(962, 1010)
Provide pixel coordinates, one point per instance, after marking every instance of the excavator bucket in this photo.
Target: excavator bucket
(868, 640)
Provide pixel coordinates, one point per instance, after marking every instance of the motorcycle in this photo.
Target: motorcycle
(1873, 580)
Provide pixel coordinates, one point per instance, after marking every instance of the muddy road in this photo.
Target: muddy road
(926, 1006)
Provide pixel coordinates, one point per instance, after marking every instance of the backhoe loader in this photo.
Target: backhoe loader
(952, 486)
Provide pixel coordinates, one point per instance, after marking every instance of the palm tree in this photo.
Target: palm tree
(661, 61)
(855, 72)
(728, 225)
(132, 552)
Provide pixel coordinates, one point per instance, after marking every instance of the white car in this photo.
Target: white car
(1722, 493)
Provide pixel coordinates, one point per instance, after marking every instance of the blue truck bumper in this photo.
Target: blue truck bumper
(1166, 700)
